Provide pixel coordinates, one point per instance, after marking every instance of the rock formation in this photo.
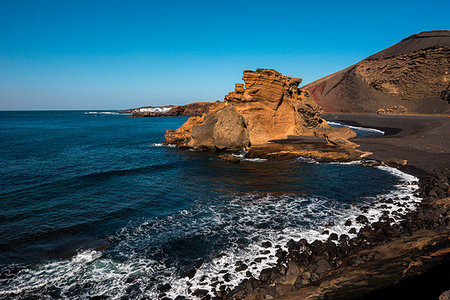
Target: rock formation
(394, 110)
(413, 73)
(269, 106)
(191, 109)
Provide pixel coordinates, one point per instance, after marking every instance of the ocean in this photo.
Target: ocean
(92, 204)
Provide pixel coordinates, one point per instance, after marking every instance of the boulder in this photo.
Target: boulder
(228, 157)
(222, 129)
(395, 163)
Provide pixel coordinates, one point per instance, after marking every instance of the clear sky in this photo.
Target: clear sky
(121, 54)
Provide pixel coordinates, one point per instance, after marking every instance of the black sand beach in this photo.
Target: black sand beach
(420, 139)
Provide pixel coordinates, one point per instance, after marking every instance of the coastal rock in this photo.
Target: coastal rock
(273, 106)
(229, 157)
(221, 129)
(337, 136)
(395, 163)
(269, 106)
(191, 109)
(394, 110)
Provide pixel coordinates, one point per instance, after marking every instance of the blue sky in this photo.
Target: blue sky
(121, 54)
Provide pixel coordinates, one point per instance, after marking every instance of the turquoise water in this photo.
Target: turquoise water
(94, 205)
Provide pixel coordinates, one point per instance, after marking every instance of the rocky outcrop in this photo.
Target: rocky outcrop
(269, 106)
(394, 110)
(413, 73)
(273, 106)
(192, 109)
(445, 94)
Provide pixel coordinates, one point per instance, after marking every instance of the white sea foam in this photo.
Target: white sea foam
(154, 109)
(307, 160)
(101, 113)
(357, 128)
(242, 157)
(254, 159)
(302, 217)
(162, 145)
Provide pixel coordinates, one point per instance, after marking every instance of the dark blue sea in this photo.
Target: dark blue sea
(92, 204)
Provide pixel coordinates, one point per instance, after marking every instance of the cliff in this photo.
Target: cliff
(413, 73)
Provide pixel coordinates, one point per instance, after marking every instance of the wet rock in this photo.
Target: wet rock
(269, 275)
(373, 163)
(200, 293)
(361, 219)
(333, 237)
(228, 157)
(133, 289)
(259, 259)
(317, 247)
(325, 232)
(348, 223)
(266, 244)
(343, 239)
(352, 230)
(236, 293)
(241, 268)
(164, 288)
(395, 163)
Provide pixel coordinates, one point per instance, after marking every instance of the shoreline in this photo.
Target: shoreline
(422, 141)
(413, 138)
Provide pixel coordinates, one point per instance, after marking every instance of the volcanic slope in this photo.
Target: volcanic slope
(414, 73)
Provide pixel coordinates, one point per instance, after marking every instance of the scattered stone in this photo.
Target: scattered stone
(361, 219)
(333, 237)
(395, 163)
(228, 157)
(241, 267)
(200, 293)
(266, 244)
(164, 288)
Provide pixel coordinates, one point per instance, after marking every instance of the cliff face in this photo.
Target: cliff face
(413, 73)
(268, 106)
(273, 106)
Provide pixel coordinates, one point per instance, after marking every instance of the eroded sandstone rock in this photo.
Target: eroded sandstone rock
(269, 106)
(221, 129)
